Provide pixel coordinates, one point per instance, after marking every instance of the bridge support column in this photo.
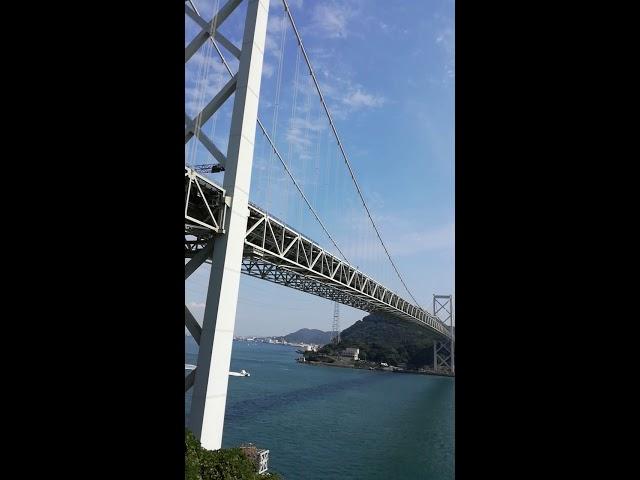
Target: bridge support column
(206, 419)
(442, 358)
(443, 352)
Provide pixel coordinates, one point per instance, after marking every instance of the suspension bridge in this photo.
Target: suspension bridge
(234, 235)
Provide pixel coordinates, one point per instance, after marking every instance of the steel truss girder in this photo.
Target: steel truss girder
(276, 243)
(283, 274)
(256, 267)
(204, 207)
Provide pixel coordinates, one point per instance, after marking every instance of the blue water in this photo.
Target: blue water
(338, 423)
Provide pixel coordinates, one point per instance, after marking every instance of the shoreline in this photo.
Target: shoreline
(413, 372)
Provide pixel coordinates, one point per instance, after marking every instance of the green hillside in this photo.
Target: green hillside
(382, 338)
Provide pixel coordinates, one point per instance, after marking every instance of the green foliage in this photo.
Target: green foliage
(387, 339)
(318, 357)
(192, 457)
(223, 464)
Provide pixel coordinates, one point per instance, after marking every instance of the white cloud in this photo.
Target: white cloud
(276, 28)
(331, 19)
(357, 98)
(205, 76)
(446, 41)
(343, 94)
(267, 69)
(444, 36)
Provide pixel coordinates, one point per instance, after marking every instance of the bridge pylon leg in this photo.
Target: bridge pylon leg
(443, 352)
(206, 419)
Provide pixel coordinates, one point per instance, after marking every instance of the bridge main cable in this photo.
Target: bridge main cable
(344, 154)
(275, 150)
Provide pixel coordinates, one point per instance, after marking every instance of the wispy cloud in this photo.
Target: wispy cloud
(277, 27)
(205, 76)
(444, 36)
(267, 69)
(331, 19)
(400, 234)
(445, 39)
(409, 243)
(301, 132)
(358, 98)
(338, 85)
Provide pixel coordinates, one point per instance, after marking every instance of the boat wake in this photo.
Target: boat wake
(241, 373)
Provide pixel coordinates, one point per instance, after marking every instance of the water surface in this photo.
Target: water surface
(337, 423)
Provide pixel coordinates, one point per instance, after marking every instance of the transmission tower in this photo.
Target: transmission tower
(335, 328)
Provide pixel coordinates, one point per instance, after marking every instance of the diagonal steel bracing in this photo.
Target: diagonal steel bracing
(209, 30)
(204, 206)
(443, 352)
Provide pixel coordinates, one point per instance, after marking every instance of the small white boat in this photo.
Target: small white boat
(188, 366)
(242, 373)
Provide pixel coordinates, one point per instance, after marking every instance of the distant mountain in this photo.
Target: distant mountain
(309, 335)
(389, 339)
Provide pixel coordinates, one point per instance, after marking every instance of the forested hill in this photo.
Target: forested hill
(388, 339)
(309, 335)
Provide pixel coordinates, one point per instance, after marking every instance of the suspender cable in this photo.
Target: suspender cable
(344, 154)
(275, 150)
(276, 108)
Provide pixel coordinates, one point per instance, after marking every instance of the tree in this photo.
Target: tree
(223, 464)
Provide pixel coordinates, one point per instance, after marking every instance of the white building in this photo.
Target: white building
(350, 352)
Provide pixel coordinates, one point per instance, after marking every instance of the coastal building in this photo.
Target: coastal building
(350, 352)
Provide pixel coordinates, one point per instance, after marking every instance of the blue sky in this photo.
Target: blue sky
(387, 72)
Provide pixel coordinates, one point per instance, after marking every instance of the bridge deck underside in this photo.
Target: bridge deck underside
(277, 253)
